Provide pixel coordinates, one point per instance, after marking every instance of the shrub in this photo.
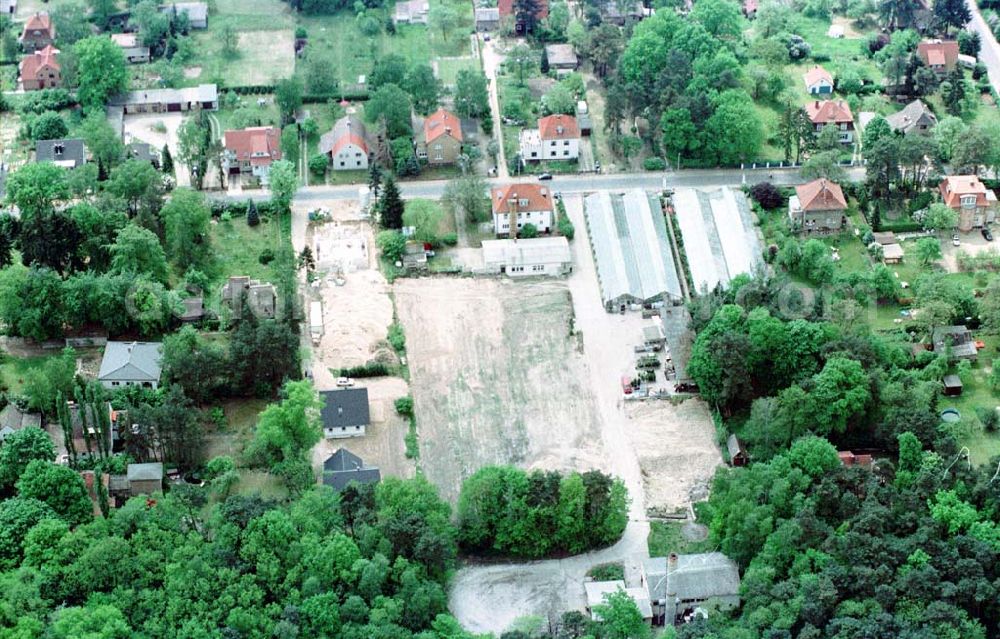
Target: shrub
(528, 231)
(392, 244)
(654, 164)
(607, 572)
(396, 337)
(266, 256)
(317, 164)
(449, 239)
(371, 369)
(404, 406)
(565, 226)
(767, 195)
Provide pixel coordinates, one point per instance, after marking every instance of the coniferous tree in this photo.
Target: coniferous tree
(526, 14)
(374, 179)
(545, 60)
(391, 205)
(253, 217)
(168, 161)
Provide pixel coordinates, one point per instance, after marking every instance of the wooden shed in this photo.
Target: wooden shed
(737, 453)
(952, 385)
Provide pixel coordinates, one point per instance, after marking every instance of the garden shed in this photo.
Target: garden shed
(952, 385)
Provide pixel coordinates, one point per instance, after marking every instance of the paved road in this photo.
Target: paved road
(577, 183)
(989, 50)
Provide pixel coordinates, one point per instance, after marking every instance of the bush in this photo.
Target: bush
(396, 337)
(318, 163)
(565, 226)
(392, 244)
(404, 406)
(266, 256)
(654, 164)
(607, 572)
(767, 195)
(528, 231)
(371, 369)
(449, 239)
(919, 201)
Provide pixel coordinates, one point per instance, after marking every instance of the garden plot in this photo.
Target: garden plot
(495, 378)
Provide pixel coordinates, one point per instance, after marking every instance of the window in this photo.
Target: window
(968, 200)
(538, 267)
(341, 163)
(534, 154)
(566, 143)
(565, 152)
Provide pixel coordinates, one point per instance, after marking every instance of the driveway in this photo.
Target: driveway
(158, 129)
(585, 163)
(492, 60)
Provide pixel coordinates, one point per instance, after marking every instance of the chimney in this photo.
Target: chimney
(817, 104)
(340, 410)
(671, 562)
(58, 149)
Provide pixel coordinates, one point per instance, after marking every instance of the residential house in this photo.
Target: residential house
(597, 593)
(562, 58)
(522, 204)
(41, 70)
(556, 138)
(131, 364)
(346, 144)
(196, 12)
(442, 138)
(345, 412)
(612, 11)
(939, 56)
(487, 19)
(679, 584)
(143, 151)
(131, 47)
(738, 455)
(8, 8)
(251, 151)
(848, 458)
(750, 9)
(145, 479)
(529, 256)
(411, 12)
(414, 256)
(956, 341)
(835, 112)
(818, 81)
(39, 32)
(819, 205)
(261, 298)
(194, 310)
(203, 96)
(344, 467)
(68, 153)
(915, 117)
(969, 197)
(13, 419)
(508, 10)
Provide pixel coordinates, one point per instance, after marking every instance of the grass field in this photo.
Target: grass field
(237, 248)
(448, 68)
(666, 537)
(13, 369)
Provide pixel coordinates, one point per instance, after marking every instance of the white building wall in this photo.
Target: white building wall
(350, 158)
(541, 219)
(561, 149)
(344, 432)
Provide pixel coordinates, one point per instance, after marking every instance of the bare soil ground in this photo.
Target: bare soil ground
(144, 128)
(674, 457)
(382, 444)
(496, 378)
(264, 58)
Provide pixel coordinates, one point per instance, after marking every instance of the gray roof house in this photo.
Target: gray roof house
(487, 18)
(679, 583)
(204, 96)
(344, 467)
(915, 117)
(13, 419)
(262, 298)
(69, 153)
(345, 412)
(143, 151)
(197, 12)
(958, 339)
(131, 364)
(145, 479)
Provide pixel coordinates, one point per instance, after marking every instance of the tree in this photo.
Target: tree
(423, 87)
(101, 69)
(898, 14)
(138, 250)
(558, 99)
(140, 185)
(18, 515)
(70, 22)
(48, 126)
(951, 13)
(96, 622)
(284, 181)
(605, 48)
(21, 448)
(290, 428)
(392, 104)
(543, 66)
(288, 97)
(721, 18)
(989, 306)
(253, 217)
(103, 142)
(928, 250)
(735, 129)
(391, 206)
(948, 133)
(392, 244)
(198, 366)
(526, 14)
(425, 217)
(823, 165)
(101, 12)
(230, 39)
(621, 618)
(523, 59)
(940, 217)
(290, 143)
(973, 151)
(767, 195)
(443, 18)
(59, 487)
(841, 393)
(468, 195)
(185, 219)
(51, 240)
(472, 98)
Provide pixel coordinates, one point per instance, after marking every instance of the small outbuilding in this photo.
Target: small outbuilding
(737, 452)
(952, 385)
(533, 256)
(598, 591)
(892, 253)
(13, 419)
(145, 479)
(562, 57)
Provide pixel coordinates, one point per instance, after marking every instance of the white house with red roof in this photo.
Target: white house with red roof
(41, 70)
(521, 204)
(251, 151)
(818, 81)
(556, 138)
(836, 112)
(346, 144)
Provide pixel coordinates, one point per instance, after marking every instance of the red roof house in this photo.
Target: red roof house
(939, 55)
(442, 137)
(41, 70)
(835, 112)
(251, 151)
(38, 33)
(530, 203)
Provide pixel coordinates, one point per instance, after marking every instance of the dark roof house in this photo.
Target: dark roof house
(344, 467)
(915, 117)
(68, 154)
(131, 364)
(13, 419)
(956, 338)
(345, 412)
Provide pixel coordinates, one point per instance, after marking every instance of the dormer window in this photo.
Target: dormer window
(968, 200)
(522, 202)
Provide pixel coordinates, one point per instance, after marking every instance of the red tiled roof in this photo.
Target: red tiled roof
(953, 187)
(829, 112)
(821, 195)
(535, 197)
(440, 123)
(39, 22)
(817, 74)
(351, 138)
(260, 145)
(942, 53)
(507, 8)
(558, 127)
(32, 64)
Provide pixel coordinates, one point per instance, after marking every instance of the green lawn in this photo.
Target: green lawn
(448, 68)
(237, 248)
(813, 31)
(976, 393)
(13, 369)
(665, 537)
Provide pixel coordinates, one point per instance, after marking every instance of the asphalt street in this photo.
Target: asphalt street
(989, 50)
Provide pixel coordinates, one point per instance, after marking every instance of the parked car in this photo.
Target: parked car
(545, 176)
(955, 241)
(987, 234)
(627, 385)
(344, 382)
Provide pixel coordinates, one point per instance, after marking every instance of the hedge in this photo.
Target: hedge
(371, 369)
(238, 209)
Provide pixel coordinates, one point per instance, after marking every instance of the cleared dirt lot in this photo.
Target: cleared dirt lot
(158, 129)
(495, 378)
